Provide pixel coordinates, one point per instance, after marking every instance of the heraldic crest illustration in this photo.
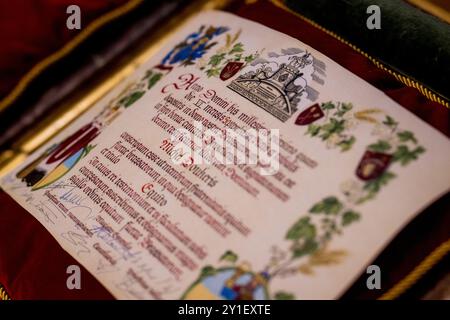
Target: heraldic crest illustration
(281, 84)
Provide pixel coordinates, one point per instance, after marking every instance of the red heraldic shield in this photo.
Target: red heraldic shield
(230, 70)
(373, 165)
(309, 115)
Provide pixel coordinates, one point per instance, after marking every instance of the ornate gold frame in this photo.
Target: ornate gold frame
(71, 110)
(432, 8)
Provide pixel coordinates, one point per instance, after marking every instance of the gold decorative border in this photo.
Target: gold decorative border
(432, 8)
(428, 93)
(66, 49)
(63, 116)
(3, 294)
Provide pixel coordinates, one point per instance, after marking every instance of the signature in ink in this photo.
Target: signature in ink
(78, 240)
(72, 197)
(166, 286)
(48, 214)
(128, 284)
(108, 238)
(58, 185)
(106, 267)
(83, 212)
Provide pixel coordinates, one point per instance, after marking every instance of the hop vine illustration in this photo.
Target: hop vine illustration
(334, 129)
(230, 51)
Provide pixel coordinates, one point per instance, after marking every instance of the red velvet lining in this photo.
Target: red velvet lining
(33, 30)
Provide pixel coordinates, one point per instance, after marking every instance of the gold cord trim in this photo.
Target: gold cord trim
(430, 95)
(418, 272)
(66, 49)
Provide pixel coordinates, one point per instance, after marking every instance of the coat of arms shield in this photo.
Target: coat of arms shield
(373, 165)
(230, 69)
(309, 115)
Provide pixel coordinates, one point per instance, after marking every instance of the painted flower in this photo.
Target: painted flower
(350, 122)
(222, 50)
(381, 131)
(387, 135)
(353, 190)
(333, 140)
(202, 63)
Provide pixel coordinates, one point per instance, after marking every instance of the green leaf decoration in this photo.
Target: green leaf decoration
(148, 74)
(347, 144)
(375, 185)
(238, 47)
(346, 106)
(343, 109)
(132, 98)
(329, 205)
(348, 217)
(390, 122)
(328, 105)
(334, 126)
(405, 156)
(89, 148)
(380, 146)
(229, 256)
(154, 79)
(302, 229)
(213, 72)
(216, 59)
(281, 295)
(308, 246)
(405, 136)
(313, 130)
(249, 58)
(207, 271)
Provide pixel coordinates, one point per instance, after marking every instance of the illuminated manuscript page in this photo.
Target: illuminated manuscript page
(348, 168)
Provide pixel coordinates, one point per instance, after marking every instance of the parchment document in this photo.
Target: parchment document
(137, 191)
